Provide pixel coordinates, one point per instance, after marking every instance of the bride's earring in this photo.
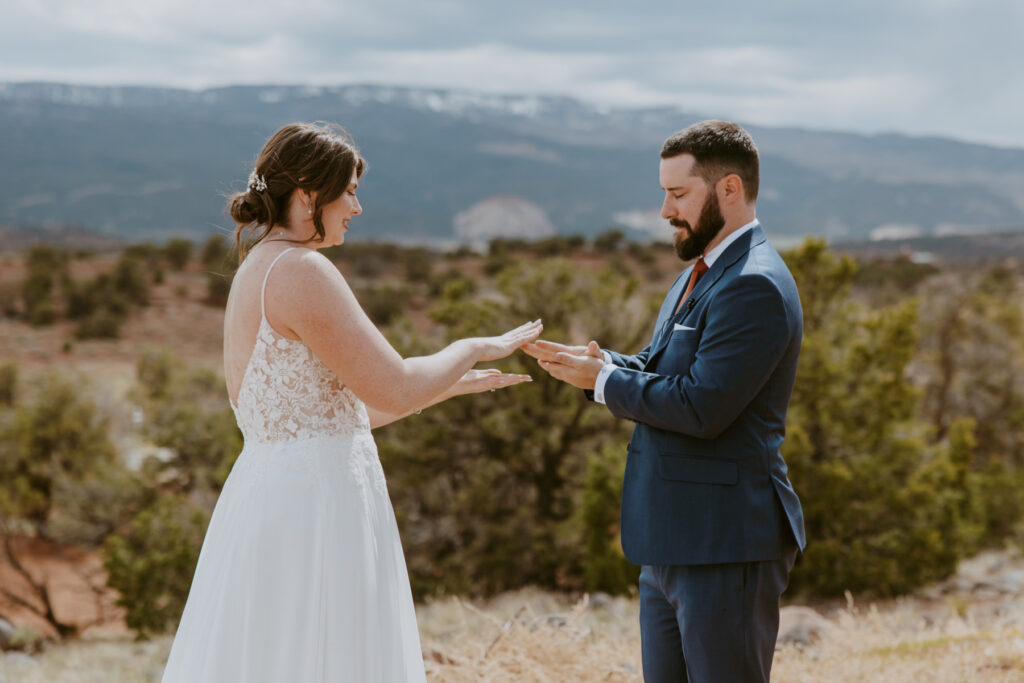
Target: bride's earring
(309, 209)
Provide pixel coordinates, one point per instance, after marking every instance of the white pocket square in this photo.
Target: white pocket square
(676, 327)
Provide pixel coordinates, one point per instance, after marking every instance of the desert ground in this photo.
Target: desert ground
(968, 628)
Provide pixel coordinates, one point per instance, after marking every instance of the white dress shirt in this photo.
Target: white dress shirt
(709, 259)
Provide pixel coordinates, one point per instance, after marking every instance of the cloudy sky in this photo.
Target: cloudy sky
(947, 67)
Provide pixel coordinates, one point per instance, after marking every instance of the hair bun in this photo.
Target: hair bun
(248, 207)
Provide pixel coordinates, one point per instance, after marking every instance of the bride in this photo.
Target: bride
(301, 577)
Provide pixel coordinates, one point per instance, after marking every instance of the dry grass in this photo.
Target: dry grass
(531, 636)
(537, 636)
(895, 643)
(90, 661)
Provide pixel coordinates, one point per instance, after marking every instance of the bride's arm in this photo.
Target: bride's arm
(311, 300)
(472, 382)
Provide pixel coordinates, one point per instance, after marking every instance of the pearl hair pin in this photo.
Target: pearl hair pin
(257, 183)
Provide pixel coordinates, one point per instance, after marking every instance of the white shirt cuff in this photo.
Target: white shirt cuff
(602, 377)
(607, 357)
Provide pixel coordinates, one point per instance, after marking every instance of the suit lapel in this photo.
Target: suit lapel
(732, 254)
(668, 308)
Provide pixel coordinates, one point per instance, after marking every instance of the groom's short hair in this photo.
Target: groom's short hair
(718, 148)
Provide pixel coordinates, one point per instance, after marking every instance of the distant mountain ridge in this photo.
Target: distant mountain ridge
(148, 163)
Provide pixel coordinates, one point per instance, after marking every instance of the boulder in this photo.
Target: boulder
(599, 600)
(1011, 581)
(982, 566)
(19, 661)
(800, 626)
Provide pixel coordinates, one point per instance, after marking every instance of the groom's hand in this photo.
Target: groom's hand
(575, 365)
(545, 350)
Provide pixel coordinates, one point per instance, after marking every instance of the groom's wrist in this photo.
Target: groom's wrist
(602, 379)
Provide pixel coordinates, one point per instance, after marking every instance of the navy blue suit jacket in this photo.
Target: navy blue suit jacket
(705, 482)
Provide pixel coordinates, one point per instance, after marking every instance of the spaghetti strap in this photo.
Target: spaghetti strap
(263, 289)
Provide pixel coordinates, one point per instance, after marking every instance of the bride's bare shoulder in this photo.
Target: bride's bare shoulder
(307, 284)
(309, 268)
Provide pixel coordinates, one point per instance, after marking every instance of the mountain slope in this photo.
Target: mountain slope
(148, 163)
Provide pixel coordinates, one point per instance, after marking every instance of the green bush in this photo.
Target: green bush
(506, 247)
(218, 286)
(102, 324)
(575, 242)
(997, 490)
(482, 479)
(188, 412)
(92, 505)
(157, 370)
(37, 295)
(384, 304)
(885, 510)
(605, 568)
(8, 383)
(971, 361)
(56, 432)
(552, 246)
(130, 279)
(610, 240)
(463, 251)
(102, 305)
(215, 254)
(46, 258)
(152, 562)
(891, 280)
(418, 264)
(42, 313)
(177, 253)
(83, 299)
(142, 251)
(441, 280)
(10, 294)
(497, 261)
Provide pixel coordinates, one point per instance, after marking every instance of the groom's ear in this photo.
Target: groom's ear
(730, 190)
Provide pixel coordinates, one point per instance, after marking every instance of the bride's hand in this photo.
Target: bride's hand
(500, 347)
(475, 381)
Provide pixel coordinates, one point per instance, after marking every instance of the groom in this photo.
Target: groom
(707, 508)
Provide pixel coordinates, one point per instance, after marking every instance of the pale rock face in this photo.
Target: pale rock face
(503, 216)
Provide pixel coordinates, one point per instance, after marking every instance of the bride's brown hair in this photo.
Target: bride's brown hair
(315, 157)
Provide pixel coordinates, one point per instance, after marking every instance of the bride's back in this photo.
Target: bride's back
(243, 314)
(280, 389)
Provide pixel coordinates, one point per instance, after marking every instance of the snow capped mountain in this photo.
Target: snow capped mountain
(143, 162)
(452, 102)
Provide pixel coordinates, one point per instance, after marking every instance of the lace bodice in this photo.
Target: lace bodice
(287, 393)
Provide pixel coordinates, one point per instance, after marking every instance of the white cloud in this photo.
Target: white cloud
(917, 66)
(494, 68)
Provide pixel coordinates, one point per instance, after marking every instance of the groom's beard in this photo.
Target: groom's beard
(709, 224)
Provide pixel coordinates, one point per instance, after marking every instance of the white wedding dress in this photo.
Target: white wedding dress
(301, 577)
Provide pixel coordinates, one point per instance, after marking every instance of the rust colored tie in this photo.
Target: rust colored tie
(699, 268)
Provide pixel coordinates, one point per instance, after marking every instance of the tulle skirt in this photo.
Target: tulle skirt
(301, 577)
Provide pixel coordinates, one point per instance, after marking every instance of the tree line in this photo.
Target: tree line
(904, 440)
